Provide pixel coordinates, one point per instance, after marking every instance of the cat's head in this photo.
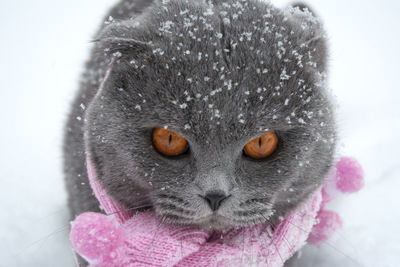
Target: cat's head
(218, 76)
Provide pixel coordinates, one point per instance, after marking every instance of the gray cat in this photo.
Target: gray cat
(219, 74)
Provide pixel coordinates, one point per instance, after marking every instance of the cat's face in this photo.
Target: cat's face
(219, 77)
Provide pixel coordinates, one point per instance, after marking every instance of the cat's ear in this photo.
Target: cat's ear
(123, 47)
(305, 21)
(122, 42)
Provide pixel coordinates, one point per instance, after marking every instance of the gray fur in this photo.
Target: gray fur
(219, 75)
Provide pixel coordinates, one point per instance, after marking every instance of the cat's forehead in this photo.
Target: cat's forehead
(239, 101)
(235, 66)
(236, 31)
(208, 65)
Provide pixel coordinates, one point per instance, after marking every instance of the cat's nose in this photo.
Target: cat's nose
(215, 198)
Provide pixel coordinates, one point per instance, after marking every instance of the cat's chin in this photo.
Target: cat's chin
(215, 222)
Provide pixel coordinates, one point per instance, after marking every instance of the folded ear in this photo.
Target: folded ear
(120, 51)
(312, 34)
(123, 47)
(122, 41)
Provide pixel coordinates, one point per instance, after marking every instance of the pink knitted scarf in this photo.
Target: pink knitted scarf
(123, 239)
(119, 238)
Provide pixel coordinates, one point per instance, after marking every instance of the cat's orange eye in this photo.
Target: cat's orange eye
(168, 142)
(262, 146)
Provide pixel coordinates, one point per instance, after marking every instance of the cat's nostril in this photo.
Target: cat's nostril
(214, 199)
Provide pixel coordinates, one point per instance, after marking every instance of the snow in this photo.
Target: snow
(41, 62)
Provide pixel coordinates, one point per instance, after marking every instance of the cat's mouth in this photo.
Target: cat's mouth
(215, 221)
(218, 222)
(231, 214)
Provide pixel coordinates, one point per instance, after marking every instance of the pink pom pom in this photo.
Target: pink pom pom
(349, 175)
(327, 224)
(96, 237)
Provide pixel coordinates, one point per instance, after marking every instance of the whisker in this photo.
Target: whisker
(241, 260)
(284, 238)
(181, 246)
(52, 214)
(57, 231)
(181, 235)
(154, 237)
(342, 253)
(277, 250)
(328, 179)
(251, 247)
(341, 235)
(174, 207)
(332, 246)
(129, 209)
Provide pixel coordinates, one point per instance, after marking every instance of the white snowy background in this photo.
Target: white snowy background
(43, 45)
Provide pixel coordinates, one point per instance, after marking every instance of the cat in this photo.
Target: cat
(219, 74)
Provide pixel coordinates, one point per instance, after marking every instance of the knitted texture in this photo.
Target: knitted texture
(140, 241)
(346, 177)
(143, 240)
